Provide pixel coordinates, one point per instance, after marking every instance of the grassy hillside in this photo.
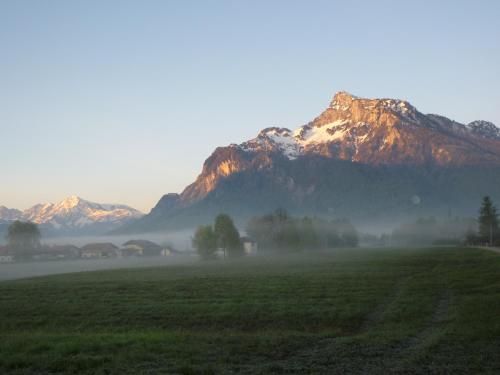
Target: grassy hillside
(350, 311)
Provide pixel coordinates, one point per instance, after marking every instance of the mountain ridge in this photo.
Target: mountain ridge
(73, 214)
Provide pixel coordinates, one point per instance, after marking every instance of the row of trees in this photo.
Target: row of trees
(481, 231)
(431, 231)
(221, 235)
(281, 232)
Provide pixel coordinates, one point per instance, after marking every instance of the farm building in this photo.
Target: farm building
(169, 251)
(249, 246)
(144, 248)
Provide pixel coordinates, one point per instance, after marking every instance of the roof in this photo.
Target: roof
(144, 244)
(99, 246)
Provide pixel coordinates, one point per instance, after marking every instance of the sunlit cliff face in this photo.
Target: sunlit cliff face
(224, 169)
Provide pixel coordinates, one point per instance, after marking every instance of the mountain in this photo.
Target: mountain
(484, 129)
(8, 214)
(367, 159)
(73, 215)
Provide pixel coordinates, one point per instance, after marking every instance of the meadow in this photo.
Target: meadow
(432, 310)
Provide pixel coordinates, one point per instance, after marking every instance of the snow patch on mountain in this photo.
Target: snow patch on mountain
(323, 134)
(292, 144)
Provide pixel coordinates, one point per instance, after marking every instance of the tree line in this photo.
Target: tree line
(283, 233)
(277, 231)
(482, 230)
(431, 231)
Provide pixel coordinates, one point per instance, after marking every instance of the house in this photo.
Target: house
(249, 246)
(57, 252)
(129, 252)
(99, 250)
(143, 248)
(66, 251)
(5, 256)
(168, 250)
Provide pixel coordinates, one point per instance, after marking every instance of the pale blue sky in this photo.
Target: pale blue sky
(122, 101)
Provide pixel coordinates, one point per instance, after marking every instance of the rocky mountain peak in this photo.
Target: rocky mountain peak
(484, 129)
(342, 100)
(379, 131)
(347, 106)
(71, 201)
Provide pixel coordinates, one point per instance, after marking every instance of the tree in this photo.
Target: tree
(23, 238)
(333, 237)
(289, 236)
(259, 228)
(348, 233)
(309, 237)
(228, 237)
(283, 233)
(350, 238)
(205, 242)
(488, 221)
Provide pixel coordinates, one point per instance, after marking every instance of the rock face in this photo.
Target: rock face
(359, 158)
(73, 215)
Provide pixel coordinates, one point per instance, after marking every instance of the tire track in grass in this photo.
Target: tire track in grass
(409, 350)
(432, 332)
(375, 316)
(322, 352)
(357, 354)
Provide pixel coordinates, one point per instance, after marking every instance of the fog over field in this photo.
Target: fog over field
(34, 269)
(180, 240)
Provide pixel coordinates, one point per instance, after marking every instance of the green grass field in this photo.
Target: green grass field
(350, 311)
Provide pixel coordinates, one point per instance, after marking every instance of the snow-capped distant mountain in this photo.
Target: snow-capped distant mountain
(8, 214)
(74, 215)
